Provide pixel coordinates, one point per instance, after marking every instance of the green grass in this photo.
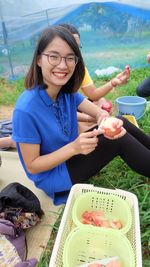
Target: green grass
(116, 174)
(10, 90)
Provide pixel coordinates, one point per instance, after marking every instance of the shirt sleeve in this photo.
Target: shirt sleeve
(24, 128)
(87, 79)
(79, 98)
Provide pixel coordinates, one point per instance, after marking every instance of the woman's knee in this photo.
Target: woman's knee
(143, 89)
(139, 91)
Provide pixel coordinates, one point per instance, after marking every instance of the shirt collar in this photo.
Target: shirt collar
(45, 97)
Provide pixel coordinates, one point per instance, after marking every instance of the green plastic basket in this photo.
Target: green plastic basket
(86, 244)
(113, 207)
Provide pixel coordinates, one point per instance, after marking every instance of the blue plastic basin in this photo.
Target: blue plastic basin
(131, 105)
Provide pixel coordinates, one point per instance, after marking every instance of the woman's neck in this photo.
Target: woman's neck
(53, 92)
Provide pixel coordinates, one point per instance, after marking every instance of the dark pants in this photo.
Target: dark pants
(143, 88)
(133, 148)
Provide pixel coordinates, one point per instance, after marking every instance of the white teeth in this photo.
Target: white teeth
(60, 74)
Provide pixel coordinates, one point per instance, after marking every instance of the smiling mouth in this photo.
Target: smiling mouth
(60, 75)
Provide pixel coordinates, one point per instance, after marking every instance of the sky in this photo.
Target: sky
(24, 7)
(55, 3)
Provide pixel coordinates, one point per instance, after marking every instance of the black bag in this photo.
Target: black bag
(18, 196)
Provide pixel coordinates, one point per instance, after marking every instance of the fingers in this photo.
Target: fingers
(89, 134)
(121, 134)
(124, 80)
(89, 138)
(88, 151)
(89, 146)
(127, 69)
(119, 123)
(117, 136)
(120, 80)
(88, 141)
(124, 76)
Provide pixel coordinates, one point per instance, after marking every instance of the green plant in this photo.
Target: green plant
(10, 91)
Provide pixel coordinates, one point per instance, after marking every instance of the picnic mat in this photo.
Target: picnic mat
(37, 236)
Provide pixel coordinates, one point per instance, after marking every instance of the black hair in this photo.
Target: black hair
(34, 76)
(70, 27)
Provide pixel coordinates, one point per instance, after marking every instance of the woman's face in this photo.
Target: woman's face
(57, 63)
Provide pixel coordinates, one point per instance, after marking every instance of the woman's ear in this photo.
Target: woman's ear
(39, 61)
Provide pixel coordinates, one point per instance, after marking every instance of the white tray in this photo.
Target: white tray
(66, 224)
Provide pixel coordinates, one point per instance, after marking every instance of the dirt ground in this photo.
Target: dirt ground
(6, 112)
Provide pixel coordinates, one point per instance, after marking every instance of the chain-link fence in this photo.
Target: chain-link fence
(112, 33)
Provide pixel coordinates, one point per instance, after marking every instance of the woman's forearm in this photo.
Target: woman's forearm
(82, 117)
(91, 109)
(94, 93)
(36, 163)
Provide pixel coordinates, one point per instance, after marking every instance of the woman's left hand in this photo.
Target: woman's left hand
(117, 136)
(116, 124)
(122, 78)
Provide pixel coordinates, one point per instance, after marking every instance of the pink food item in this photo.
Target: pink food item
(109, 125)
(115, 263)
(98, 218)
(107, 105)
(92, 217)
(127, 68)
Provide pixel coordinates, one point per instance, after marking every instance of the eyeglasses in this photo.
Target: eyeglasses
(55, 59)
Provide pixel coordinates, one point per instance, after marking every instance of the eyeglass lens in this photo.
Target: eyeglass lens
(55, 59)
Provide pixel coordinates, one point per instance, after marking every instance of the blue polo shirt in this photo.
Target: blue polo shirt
(37, 119)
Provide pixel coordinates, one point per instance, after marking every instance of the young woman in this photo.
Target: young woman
(45, 127)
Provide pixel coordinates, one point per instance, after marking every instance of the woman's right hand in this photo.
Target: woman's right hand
(86, 142)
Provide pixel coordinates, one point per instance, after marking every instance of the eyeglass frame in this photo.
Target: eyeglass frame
(48, 56)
